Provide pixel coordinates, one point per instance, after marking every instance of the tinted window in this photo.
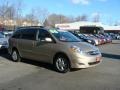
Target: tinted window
(29, 34)
(17, 34)
(2, 35)
(43, 34)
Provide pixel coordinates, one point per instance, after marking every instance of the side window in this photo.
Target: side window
(17, 34)
(43, 34)
(29, 34)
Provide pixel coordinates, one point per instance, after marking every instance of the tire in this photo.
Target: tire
(62, 64)
(15, 56)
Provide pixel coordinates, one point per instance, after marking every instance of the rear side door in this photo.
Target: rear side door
(14, 40)
(28, 39)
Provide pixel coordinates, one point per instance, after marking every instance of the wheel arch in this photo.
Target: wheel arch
(63, 54)
(14, 48)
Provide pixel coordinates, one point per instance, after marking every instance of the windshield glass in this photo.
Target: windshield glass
(1, 35)
(64, 36)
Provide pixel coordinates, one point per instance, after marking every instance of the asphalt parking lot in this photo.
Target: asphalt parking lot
(30, 75)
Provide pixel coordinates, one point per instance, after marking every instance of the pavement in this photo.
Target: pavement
(31, 75)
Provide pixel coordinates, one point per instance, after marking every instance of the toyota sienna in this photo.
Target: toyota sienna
(57, 47)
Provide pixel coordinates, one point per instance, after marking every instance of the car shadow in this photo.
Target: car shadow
(115, 43)
(118, 42)
(113, 56)
(5, 54)
(39, 64)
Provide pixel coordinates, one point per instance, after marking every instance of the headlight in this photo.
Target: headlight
(89, 41)
(96, 41)
(96, 52)
(76, 49)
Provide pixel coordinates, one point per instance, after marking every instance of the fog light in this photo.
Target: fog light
(98, 59)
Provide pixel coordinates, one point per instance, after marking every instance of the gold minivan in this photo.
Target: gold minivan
(58, 47)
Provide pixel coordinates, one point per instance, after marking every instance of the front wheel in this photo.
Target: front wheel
(62, 64)
(15, 56)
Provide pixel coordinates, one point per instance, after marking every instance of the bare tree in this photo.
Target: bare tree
(46, 23)
(30, 18)
(72, 19)
(3, 10)
(7, 13)
(78, 18)
(117, 23)
(19, 7)
(96, 17)
(81, 18)
(64, 19)
(10, 11)
(52, 20)
(41, 15)
(84, 18)
(55, 19)
(37, 15)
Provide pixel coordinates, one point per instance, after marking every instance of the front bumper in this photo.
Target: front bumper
(86, 61)
(3, 46)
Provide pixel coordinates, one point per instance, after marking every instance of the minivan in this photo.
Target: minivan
(57, 47)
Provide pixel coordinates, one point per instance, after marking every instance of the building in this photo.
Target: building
(78, 25)
(12, 24)
(111, 29)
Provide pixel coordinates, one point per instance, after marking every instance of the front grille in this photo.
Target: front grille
(93, 63)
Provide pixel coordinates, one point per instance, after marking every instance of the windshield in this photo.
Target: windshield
(1, 35)
(64, 36)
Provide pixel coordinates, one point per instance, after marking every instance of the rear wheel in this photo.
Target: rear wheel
(15, 56)
(62, 64)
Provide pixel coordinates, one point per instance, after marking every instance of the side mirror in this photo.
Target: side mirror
(48, 39)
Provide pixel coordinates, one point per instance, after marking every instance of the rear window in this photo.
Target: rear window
(29, 34)
(16, 34)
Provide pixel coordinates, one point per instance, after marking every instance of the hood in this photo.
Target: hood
(84, 46)
(3, 39)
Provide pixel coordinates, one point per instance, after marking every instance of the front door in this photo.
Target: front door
(44, 50)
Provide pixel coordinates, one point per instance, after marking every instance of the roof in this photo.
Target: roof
(116, 28)
(30, 27)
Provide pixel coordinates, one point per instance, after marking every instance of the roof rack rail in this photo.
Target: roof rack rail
(31, 27)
